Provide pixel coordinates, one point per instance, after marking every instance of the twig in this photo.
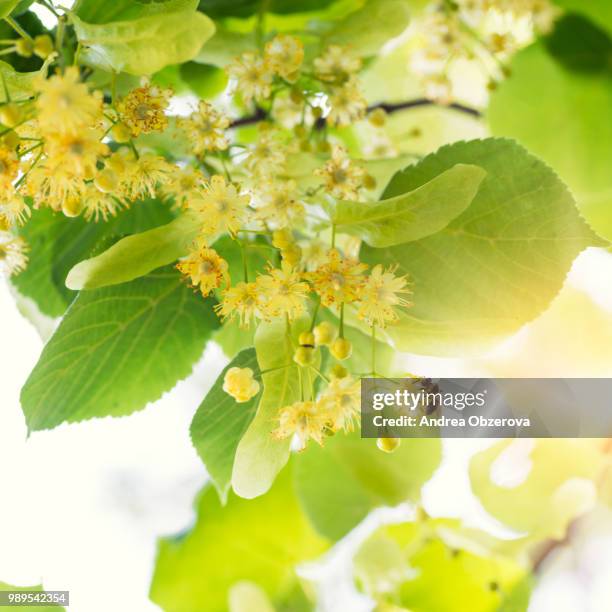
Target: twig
(261, 115)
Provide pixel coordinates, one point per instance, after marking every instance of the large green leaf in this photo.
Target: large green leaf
(260, 456)
(411, 565)
(560, 113)
(57, 243)
(245, 8)
(555, 483)
(6, 7)
(260, 541)
(498, 264)
(135, 255)
(338, 485)
(600, 11)
(414, 214)
(116, 349)
(220, 423)
(369, 28)
(145, 39)
(102, 11)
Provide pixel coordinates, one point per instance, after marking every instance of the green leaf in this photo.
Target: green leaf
(220, 423)
(116, 349)
(143, 40)
(498, 264)
(599, 11)
(414, 214)
(260, 541)
(410, 564)
(57, 243)
(260, 456)
(19, 84)
(204, 80)
(101, 11)
(369, 28)
(224, 46)
(557, 487)
(558, 112)
(6, 7)
(339, 484)
(245, 8)
(135, 255)
(25, 608)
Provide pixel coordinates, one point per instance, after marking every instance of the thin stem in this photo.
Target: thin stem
(134, 149)
(268, 370)
(319, 373)
(245, 268)
(333, 236)
(341, 332)
(113, 88)
(313, 322)
(49, 7)
(373, 349)
(17, 28)
(32, 148)
(25, 174)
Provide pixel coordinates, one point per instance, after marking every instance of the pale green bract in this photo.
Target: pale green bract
(135, 255)
(220, 423)
(6, 7)
(339, 484)
(411, 215)
(144, 41)
(19, 84)
(495, 266)
(116, 349)
(258, 540)
(260, 456)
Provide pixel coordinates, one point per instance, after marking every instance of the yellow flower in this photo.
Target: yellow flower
(75, 153)
(9, 168)
(46, 186)
(13, 209)
(143, 109)
(347, 105)
(381, 294)
(285, 55)
(303, 419)
(13, 254)
(205, 129)
(221, 206)
(267, 155)
(240, 384)
(341, 401)
(183, 185)
(97, 204)
(339, 280)
(336, 65)
(243, 301)
(342, 177)
(143, 175)
(252, 75)
(283, 291)
(277, 205)
(206, 269)
(66, 105)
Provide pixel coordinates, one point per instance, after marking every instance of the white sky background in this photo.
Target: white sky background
(82, 506)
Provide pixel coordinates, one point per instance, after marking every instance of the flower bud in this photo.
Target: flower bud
(324, 333)
(369, 182)
(388, 445)
(106, 180)
(43, 46)
(341, 349)
(240, 384)
(24, 47)
(339, 371)
(282, 238)
(72, 206)
(304, 355)
(121, 133)
(307, 339)
(292, 255)
(377, 117)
